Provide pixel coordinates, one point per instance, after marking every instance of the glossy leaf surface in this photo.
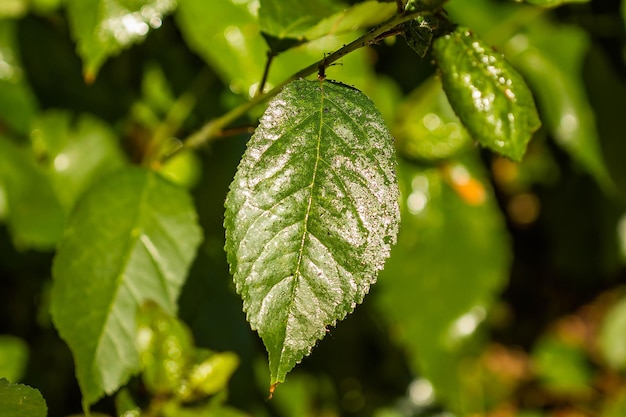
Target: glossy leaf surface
(451, 258)
(103, 28)
(489, 96)
(311, 215)
(131, 239)
(17, 400)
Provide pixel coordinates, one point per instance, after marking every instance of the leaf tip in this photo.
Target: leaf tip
(272, 389)
(89, 76)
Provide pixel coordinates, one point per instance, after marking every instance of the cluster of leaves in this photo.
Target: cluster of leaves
(98, 170)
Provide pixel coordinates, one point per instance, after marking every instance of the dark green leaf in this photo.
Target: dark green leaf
(103, 28)
(130, 239)
(311, 215)
(35, 214)
(419, 34)
(427, 127)
(292, 18)
(489, 96)
(451, 258)
(13, 357)
(17, 400)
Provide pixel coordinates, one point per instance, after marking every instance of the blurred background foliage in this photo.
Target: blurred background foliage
(505, 295)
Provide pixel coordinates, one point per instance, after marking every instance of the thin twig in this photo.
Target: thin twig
(266, 71)
(212, 129)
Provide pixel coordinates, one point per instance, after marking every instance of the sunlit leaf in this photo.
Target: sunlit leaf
(427, 128)
(74, 154)
(17, 400)
(553, 3)
(358, 16)
(226, 34)
(551, 59)
(311, 215)
(13, 8)
(35, 214)
(451, 258)
(13, 357)
(292, 18)
(489, 96)
(17, 102)
(612, 341)
(103, 28)
(130, 239)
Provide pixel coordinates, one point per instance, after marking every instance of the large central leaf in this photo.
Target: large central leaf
(311, 215)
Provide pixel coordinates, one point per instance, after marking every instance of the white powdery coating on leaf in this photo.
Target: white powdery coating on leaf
(311, 215)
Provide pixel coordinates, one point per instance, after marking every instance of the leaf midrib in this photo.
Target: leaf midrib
(297, 274)
(130, 243)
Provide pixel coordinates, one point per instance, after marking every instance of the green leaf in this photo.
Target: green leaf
(311, 215)
(74, 154)
(210, 374)
(103, 28)
(553, 3)
(164, 346)
(358, 16)
(131, 239)
(17, 102)
(427, 128)
(418, 34)
(13, 8)
(292, 18)
(225, 33)
(489, 96)
(17, 400)
(35, 215)
(612, 340)
(452, 256)
(551, 59)
(13, 357)
(561, 367)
